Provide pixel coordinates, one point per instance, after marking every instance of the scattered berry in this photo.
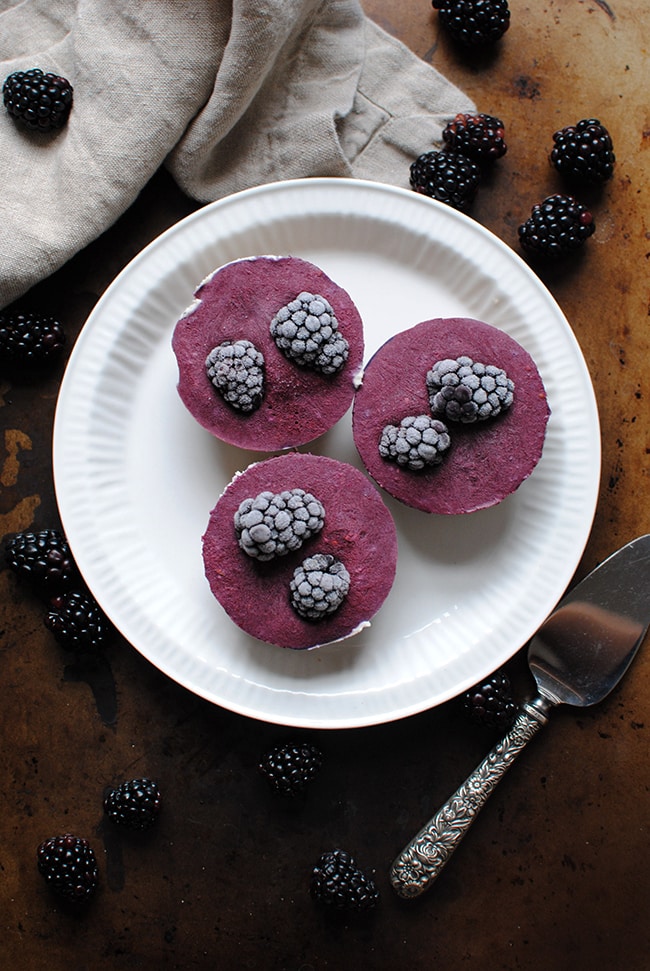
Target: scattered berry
(275, 524)
(319, 586)
(306, 331)
(338, 882)
(446, 176)
(40, 101)
(556, 227)
(474, 23)
(289, 768)
(418, 442)
(479, 137)
(43, 558)
(490, 703)
(236, 369)
(69, 867)
(29, 340)
(134, 804)
(78, 622)
(583, 152)
(467, 391)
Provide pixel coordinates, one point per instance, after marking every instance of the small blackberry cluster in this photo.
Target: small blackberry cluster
(491, 703)
(236, 369)
(134, 804)
(306, 331)
(29, 341)
(556, 227)
(69, 867)
(291, 767)
(338, 882)
(467, 391)
(474, 23)
(78, 622)
(418, 442)
(480, 137)
(43, 559)
(319, 586)
(274, 524)
(583, 152)
(42, 102)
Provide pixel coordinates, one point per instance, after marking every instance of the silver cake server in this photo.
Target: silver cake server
(577, 657)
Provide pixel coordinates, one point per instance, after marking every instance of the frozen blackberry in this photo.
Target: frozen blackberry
(274, 524)
(42, 558)
(477, 136)
(134, 804)
(338, 882)
(78, 622)
(583, 152)
(306, 331)
(40, 101)
(319, 586)
(418, 442)
(449, 177)
(491, 703)
(467, 391)
(236, 369)
(289, 768)
(557, 226)
(29, 340)
(69, 867)
(474, 23)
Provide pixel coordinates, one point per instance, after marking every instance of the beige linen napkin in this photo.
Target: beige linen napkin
(227, 93)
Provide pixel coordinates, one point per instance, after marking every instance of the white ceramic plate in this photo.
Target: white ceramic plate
(136, 476)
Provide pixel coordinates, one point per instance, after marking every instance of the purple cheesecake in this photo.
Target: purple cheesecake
(484, 461)
(357, 531)
(293, 400)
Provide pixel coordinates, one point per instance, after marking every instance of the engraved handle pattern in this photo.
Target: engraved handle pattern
(421, 861)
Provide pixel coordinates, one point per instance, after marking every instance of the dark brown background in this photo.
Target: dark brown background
(555, 873)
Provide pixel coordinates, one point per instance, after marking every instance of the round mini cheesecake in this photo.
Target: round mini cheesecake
(293, 399)
(357, 532)
(485, 460)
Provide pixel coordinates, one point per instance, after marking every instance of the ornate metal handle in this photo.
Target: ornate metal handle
(419, 863)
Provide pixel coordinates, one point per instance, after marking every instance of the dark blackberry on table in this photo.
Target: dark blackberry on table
(556, 227)
(78, 622)
(338, 882)
(480, 137)
(69, 867)
(449, 177)
(41, 101)
(490, 703)
(236, 369)
(307, 332)
(134, 804)
(583, 153)
(468, 391)
(42, 558)
(474, 23)
(319, 586)
(274, 524)
(29, 341)
(418, 442)
(289, 768)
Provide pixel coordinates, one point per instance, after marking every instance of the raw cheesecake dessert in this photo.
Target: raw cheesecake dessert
(450, 416)
(268, 352)
(300, 550)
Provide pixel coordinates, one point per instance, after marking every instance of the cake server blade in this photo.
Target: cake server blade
(577, 657)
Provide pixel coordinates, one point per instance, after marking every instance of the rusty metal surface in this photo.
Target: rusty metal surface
(555, 872)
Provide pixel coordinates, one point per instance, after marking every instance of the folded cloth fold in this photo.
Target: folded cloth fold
(226, 93)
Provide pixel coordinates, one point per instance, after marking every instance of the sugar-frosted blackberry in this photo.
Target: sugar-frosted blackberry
(40, 101)
(274, 524)
(467, 391)
(490, 703)
(289, 768)
(418, 442)
(29, 340)
(69, 867)
(557, 226)
(319, 586)
(338, 882)
(78, 622)
(43, 558)
(477, 136)
(583, 152)
(134, 804)
(236, 369)
(449, 177)
(474, 23)
(307, 332)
